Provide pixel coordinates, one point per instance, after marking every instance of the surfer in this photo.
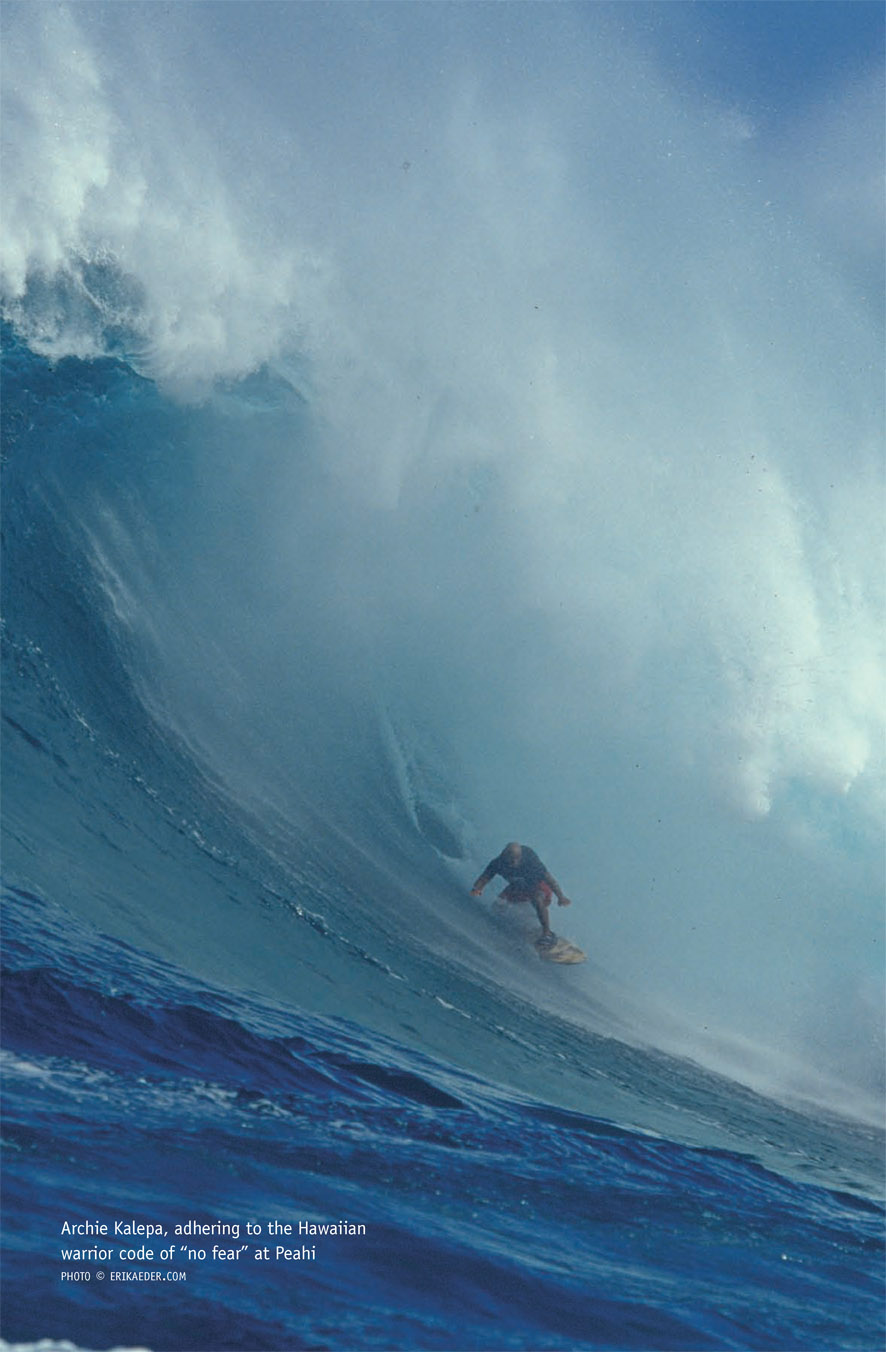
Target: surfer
(528, 880)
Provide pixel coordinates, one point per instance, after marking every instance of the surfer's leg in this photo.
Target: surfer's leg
(541, 900)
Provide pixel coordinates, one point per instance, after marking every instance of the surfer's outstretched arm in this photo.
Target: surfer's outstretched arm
(485, 877)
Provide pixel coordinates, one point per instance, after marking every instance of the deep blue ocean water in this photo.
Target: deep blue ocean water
(228, 1000)
(492, 1220)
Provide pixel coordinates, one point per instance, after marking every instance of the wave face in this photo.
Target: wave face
(380, 487)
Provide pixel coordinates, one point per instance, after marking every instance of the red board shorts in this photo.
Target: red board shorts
(518, 892)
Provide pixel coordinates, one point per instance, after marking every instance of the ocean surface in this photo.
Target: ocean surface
(385, 479)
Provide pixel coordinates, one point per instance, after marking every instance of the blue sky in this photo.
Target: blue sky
(805, 79)
(774, 54)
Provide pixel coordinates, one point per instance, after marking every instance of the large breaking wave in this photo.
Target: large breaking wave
(495, 459)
